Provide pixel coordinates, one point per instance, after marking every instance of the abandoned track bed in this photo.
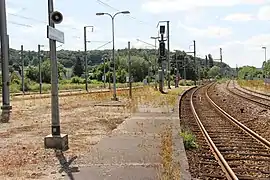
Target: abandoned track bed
(259, 99)
(239, 154)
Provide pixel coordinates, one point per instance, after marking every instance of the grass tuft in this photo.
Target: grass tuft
(189, 140)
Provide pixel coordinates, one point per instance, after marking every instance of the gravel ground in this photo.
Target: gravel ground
(253, 116)
(22, 140)
(85, 118)
(202, 163)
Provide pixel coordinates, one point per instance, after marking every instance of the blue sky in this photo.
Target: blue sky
(240, 27)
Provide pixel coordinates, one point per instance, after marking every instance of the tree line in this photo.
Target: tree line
(143, 65)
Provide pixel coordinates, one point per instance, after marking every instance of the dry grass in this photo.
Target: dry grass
(22, 140)
(255, 85)
(22, 150)
(170, 170)
(151, 98)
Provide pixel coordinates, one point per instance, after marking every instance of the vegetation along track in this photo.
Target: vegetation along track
(241, 153)
(202, 163)
(69, 93)
(258, 99)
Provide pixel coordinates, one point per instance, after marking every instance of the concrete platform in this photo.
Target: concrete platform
(132, 151)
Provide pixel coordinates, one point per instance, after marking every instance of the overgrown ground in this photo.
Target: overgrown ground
(255, 85)
(22, 140)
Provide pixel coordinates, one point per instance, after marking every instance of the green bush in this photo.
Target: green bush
(77, 80)
(189, 140)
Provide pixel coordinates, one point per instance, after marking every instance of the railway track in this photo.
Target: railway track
(68, 93)
(239, 152)
(261, 101)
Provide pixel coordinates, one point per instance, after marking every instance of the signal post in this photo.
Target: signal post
(55, 140)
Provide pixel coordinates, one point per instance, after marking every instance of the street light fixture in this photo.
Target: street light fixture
(114, 74)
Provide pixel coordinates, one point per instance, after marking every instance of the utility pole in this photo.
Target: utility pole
(39, 70)
(220, 54)
(129, 72)
(104, 72)
(6, 107)
(155, 38)
(196, 68)
(56, 140)
(109, 77)
(22, 61)
(220, 51)
(168, 44)
(185, 74)
(264, 58)
(54, 79)
(85, 56)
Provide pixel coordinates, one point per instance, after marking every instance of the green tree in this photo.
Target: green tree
(78, 68)
(248, 72)
(266, 68)
(214, 72)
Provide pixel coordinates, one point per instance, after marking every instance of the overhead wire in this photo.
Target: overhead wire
(132, 17)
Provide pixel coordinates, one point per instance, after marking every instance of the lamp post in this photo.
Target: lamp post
(114, 74)
(85, 56)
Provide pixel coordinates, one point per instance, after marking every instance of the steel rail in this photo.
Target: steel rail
(252, 100)
(256, 92)
(237, 123)
(219, 157)
(254, 95)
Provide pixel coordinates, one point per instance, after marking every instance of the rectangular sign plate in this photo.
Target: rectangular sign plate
(55, 34)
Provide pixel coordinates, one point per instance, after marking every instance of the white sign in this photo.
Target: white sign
(103, 78)
(55, 34)
(267, 81)
(127, 79)
(145, 81)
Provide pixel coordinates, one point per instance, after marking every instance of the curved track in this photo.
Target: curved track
(240, 152)
(261, 101)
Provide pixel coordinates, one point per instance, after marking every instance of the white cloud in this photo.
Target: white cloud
(247, 52)
(210, 31)
(239, 17)
(158, 6)
(264, 13)
(259, 40)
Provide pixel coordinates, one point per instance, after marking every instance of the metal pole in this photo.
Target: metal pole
(104, 72)
(220, 51)
(185, 74)
(194, 45)
(129, 71)
(265, 57)
(22, 61)
(156, 63)
(5, 60)
(39, 70)
(54, 79)
(168, 43)
(109, 76)
(114, 74)
(85, 60)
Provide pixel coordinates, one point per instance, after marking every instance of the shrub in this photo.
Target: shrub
(77, 80)
(189, 140)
